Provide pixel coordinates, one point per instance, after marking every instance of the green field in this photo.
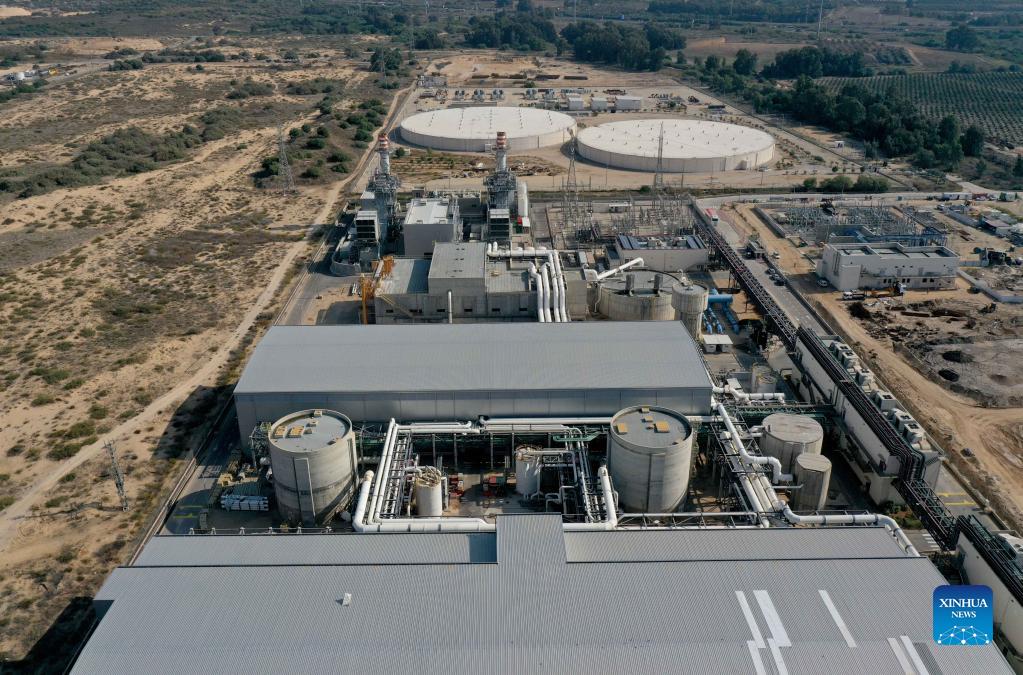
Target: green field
(992, 101)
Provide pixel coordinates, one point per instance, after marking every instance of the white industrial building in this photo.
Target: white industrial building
(689, 146)
(628, 103)
(462, 371)
(460, 282)
(842, 601)
(474, 129)
(663, 253)
(848, 267)
(429, 222)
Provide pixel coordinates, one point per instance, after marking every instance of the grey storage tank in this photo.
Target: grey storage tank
(787, 436)
(637, 296)
(649, 453)
(690, 301)
(314, 463)
(813, 474)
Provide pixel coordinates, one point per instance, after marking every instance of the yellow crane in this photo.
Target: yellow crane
(368, 284)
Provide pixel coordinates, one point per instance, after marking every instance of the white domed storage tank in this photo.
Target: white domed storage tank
(637, 296)
(649, 453)
(690, 302)
(787, 436)
(314, 462)
(813, 474)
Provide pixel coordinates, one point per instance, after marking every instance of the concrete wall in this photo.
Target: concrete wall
(483, 144)
(621, 160)
(433, 307)
(666, 259)
(464, 405)
(419, 238)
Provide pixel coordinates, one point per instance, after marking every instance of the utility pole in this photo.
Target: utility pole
(820, 20)
(118, 476)
(282, 160)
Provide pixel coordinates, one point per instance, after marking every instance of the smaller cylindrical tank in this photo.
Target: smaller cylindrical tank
(636, 296)
(649, 453)
(764, 381)
(527, 470)
(787, 436)
(429, 493)
(313, 458)
(689, 302)
(813, 474)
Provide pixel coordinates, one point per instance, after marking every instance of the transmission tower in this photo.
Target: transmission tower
(118, 476)
(820, 20)
(659, 172)
(282, 160)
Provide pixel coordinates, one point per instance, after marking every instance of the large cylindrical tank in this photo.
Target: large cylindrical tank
(649, 453)
(429, 489)
(787, 436)
(690, 302)
(636, 296)
(313, 457)
(527, 470)
(813, 474)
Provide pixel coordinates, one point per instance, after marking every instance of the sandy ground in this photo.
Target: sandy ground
(728, 46)
(6, 11)
(460, 69)
(994, 435)
(199, 235)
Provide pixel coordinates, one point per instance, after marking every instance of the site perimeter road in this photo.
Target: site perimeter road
(207, 371)
(956, 497)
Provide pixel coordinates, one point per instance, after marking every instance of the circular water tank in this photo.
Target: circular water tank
(429, 493)
(527, 470)
(786, 436)
(313, 457)
(637, 296)
(649, 452)
(813, 474)
(690, 301)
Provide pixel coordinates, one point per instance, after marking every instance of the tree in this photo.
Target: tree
(680, 58)
(973, 141)
(981, 167)
(745, 62)
(524, 6)
(712, 62)
(948, 129)
(1017, 168)
(962, 38)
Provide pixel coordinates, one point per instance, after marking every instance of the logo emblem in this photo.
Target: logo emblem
(963, 615)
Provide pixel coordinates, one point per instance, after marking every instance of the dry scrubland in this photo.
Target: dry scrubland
(115, 292)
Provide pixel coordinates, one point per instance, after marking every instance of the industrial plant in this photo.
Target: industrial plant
(549, 404)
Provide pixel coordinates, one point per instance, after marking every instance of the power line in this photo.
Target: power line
(118, 476)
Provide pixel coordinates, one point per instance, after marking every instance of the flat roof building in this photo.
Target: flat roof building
(482, 288)
(461, 371)
(852, 266)
(429, 222)
(528, 597)
(664, 253)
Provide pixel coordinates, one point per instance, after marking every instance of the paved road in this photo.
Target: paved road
(948, 488)
(185, 513)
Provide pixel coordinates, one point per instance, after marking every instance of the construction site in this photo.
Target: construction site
(491, 383)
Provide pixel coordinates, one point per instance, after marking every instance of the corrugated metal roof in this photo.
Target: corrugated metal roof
(618, 355)
(320, 549)
(761, 544)
(530, 542)
(655, 617)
